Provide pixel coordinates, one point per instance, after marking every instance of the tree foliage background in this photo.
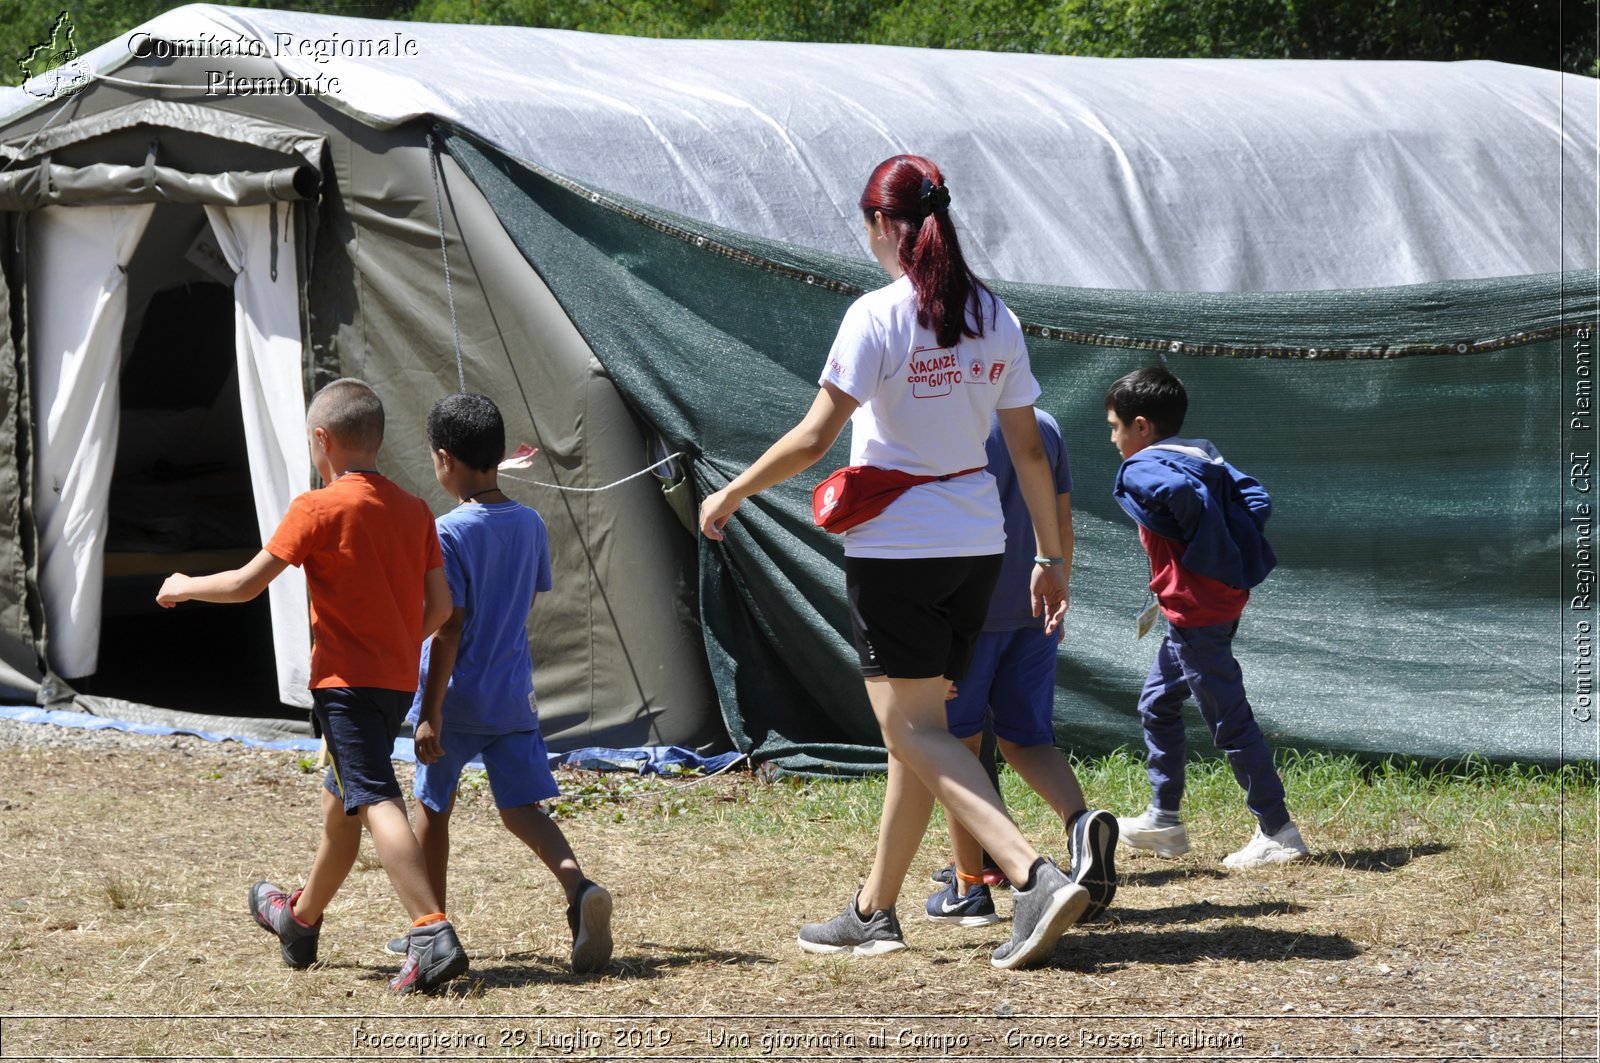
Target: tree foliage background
(1547, 33)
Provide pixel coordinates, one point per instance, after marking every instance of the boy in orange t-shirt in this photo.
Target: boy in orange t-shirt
(376, 578)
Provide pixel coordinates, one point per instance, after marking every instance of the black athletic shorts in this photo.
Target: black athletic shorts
(360, 725)
(918, 617)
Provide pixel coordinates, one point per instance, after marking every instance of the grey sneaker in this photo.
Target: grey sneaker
(848, 932)
(1094, 840)
(1039, 916)
(395, 946)
(433, 956)
(1141, 832)
(273, 911)
(589, 917)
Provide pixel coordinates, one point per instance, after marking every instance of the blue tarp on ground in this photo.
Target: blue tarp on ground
(645, 760)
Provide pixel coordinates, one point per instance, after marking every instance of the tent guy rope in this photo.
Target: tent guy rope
(591, 490)
(444, 252)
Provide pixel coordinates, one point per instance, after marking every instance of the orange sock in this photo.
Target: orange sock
(432, 917)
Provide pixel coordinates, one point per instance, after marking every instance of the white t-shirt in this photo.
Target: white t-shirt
(925, 409)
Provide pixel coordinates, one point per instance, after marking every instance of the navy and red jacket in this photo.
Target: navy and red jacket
(1198, 517)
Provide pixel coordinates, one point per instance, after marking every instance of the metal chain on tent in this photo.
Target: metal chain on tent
(592, 490)
(444, 252)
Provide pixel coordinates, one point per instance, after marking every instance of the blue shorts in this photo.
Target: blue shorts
(1013, 674)
(360, 725)
(519, 768)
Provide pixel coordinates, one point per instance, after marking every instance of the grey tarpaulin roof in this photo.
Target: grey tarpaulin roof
(1155, 174)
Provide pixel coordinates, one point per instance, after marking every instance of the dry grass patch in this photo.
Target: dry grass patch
(1425, 897)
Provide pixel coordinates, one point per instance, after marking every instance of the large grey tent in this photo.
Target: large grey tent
(1372, 276)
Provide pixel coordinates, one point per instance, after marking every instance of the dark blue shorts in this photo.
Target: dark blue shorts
(1012, 675)
(517, 763)
(360, 725)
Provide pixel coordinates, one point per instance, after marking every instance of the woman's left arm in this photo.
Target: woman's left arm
(1021, 432)
(799, 449)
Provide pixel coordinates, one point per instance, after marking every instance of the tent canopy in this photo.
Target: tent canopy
(1357, 268)
(1145, 174)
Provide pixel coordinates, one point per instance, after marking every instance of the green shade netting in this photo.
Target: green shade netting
(1412, 439)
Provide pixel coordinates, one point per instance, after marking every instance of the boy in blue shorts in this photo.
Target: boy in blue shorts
(476, 690)
(377, 589)
(1201, 521)
(1013, 676)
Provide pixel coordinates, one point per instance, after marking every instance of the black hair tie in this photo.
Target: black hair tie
(935, 199)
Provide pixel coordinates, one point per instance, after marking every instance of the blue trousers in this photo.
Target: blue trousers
(1199, 661)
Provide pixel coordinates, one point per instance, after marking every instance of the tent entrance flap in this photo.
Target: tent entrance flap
(79, 256)
(190, 445)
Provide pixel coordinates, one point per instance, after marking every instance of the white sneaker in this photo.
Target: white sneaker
(1265, 850)
(1141, 832)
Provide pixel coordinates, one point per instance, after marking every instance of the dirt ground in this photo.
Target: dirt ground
(124, 934)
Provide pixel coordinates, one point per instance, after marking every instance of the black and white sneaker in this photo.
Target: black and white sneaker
(848, 932)
(1039, 916)
(1094, 841)
(972, 908)
(589, 917)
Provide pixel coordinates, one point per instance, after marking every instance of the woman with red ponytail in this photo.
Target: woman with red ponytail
(918, 368)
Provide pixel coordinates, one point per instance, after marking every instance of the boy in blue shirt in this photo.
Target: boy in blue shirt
(1201, 522)
(1013, 677)
(475, 696)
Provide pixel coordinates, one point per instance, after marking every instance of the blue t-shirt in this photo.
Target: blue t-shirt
(1011, 607)
(496, 557)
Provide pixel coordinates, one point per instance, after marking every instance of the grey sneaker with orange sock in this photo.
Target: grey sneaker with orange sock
(433, 956)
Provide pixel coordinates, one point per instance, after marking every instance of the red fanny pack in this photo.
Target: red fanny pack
(857, 493)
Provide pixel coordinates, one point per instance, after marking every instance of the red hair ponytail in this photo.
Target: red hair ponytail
(909, 191)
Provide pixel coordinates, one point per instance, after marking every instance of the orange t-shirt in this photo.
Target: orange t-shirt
(365, 545)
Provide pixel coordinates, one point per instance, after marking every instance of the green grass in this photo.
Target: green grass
(1463, 835)
(1340, 801)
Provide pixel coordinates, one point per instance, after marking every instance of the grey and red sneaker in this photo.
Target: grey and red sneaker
(433, 956)
(273, 911)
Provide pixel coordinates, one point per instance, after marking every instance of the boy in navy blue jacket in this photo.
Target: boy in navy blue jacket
(1201, 522)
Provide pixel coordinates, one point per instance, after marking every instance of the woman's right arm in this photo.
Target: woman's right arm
(799, 449)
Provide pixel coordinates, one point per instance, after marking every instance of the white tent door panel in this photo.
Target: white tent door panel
(258, 243)
(77, 308)
(77, 304)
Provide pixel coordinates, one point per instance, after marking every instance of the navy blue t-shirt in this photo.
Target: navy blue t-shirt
(1012, 605)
